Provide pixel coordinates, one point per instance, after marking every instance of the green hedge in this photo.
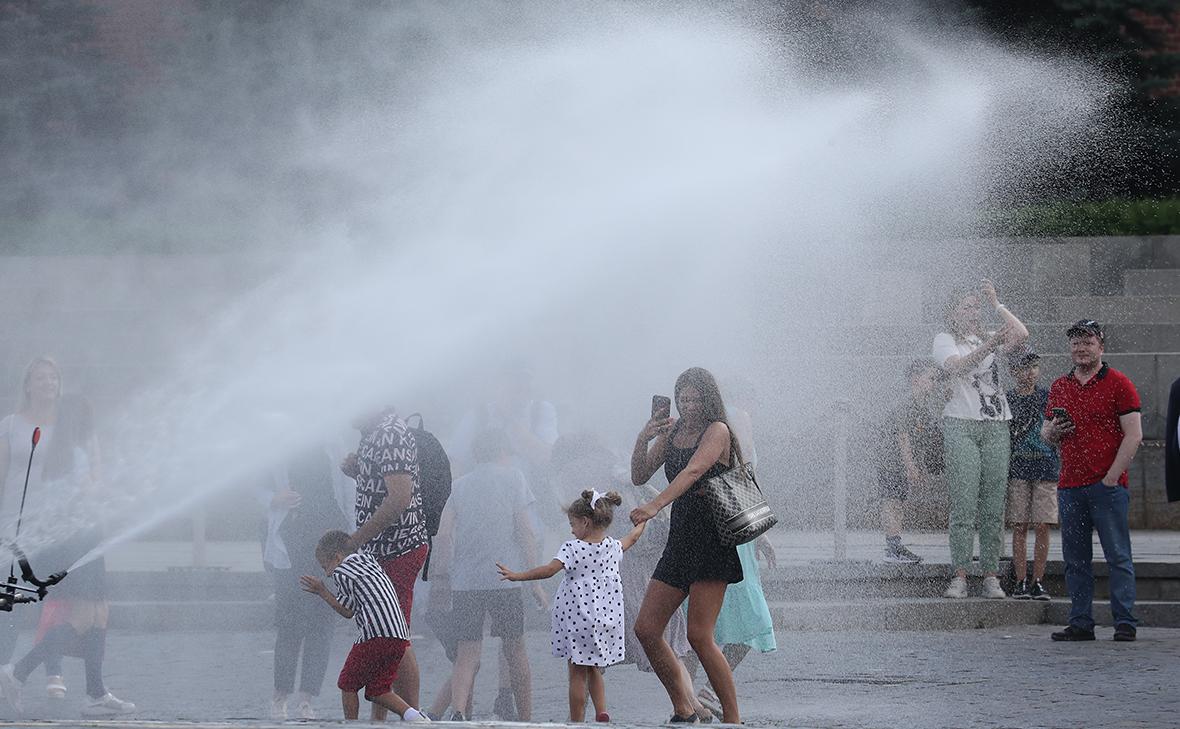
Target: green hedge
(1111, 217)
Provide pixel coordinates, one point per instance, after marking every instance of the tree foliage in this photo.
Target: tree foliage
(1120, 37)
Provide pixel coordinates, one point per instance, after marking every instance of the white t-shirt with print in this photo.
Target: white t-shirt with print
(976, 394)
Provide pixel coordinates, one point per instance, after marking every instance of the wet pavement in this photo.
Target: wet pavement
(1012, 676)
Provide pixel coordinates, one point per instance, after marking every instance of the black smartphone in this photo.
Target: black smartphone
(1061, 414)
(661, 406)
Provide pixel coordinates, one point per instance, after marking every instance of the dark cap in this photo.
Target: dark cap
(1085, 327)
(1025, 360)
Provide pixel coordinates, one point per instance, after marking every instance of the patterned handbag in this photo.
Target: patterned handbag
(740, 511)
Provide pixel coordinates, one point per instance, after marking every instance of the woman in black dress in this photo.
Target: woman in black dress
(694, 565)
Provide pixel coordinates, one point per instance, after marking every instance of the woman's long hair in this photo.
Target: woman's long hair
(952, 302)
(24, 383)
(712, 406)
(73, 429)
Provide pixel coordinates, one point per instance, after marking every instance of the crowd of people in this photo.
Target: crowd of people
(645, 577)
(1040, 456)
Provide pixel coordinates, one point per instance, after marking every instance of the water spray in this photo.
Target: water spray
(12, 593)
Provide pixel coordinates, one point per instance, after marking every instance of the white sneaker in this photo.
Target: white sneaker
(419, 717)
(957, 589)
(10, 687)
(278, 709)
(107, 705)
(55, 688)
(305, 710)
(992, 589)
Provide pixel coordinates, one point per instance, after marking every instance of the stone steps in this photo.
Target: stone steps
(1151, 282)
(1113, 311)
(851, 580)
(936, 613)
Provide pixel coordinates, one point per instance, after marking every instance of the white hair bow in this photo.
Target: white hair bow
(595, 496)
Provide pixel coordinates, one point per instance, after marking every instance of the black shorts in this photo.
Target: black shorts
(442, 624)
(505, 607)
(892, 485)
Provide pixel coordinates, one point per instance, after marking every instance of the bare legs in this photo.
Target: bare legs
(467, 659)
(405, 685)
(704, 604)
(659, 602)
(1020, 550)
(521, 677)
(463, 676)
(585, 679)
(891, 517)
(351, 702)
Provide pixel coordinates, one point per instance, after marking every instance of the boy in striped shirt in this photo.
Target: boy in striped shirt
(365, 593)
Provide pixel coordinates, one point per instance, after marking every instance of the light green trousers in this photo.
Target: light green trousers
(977, 475)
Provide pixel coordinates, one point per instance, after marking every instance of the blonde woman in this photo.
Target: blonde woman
(975, 427)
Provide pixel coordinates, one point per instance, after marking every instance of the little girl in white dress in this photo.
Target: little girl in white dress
(588, 608)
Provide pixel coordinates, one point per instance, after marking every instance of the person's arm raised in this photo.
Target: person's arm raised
(645, 459)
(1015, 333)
(713, 445)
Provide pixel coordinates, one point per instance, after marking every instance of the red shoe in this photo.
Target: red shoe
(602, 716)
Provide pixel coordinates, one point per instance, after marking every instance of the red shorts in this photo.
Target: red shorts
(403, 571)
(372, 665)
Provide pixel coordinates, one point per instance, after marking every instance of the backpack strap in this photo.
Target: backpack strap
(429, 551)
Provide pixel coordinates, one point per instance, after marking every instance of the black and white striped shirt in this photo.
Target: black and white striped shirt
(364, 588)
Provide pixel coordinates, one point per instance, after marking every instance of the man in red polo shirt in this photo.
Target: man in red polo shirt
(1093, 417)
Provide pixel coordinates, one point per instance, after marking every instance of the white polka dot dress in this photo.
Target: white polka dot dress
(588, 609)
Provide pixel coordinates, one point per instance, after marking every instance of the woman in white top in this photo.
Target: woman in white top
(38, 400)
(975, 422)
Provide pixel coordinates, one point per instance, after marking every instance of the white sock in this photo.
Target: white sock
(411, 714)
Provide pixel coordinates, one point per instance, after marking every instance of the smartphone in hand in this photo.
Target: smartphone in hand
(1061, 415)
(661, 406)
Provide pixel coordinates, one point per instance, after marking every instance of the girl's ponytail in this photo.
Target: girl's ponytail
(599, 508)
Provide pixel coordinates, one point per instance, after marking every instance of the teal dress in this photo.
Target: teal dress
(745, 616)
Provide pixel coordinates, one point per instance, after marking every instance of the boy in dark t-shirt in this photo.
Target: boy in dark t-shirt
(910, 448)
(1032, 478)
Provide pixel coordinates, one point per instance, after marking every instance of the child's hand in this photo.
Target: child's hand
(313, 585)
(507, 574)
(643, 513)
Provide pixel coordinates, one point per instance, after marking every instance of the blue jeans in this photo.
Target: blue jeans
(1083, 510)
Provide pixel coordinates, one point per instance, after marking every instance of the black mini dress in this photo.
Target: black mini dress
(693, 552)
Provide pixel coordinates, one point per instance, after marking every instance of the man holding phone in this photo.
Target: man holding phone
(1093, 417)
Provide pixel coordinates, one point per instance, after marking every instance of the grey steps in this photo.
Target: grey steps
(1114, 310)
(941, 614)
(1151, 282)
(841, 581)
(151, 616)
(190, 586)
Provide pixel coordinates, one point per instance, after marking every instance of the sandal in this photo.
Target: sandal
(709, 700)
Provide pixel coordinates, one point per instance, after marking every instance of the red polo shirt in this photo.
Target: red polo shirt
(1095, 408)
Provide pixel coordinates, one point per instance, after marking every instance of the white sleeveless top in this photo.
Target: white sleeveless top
(17, 432)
